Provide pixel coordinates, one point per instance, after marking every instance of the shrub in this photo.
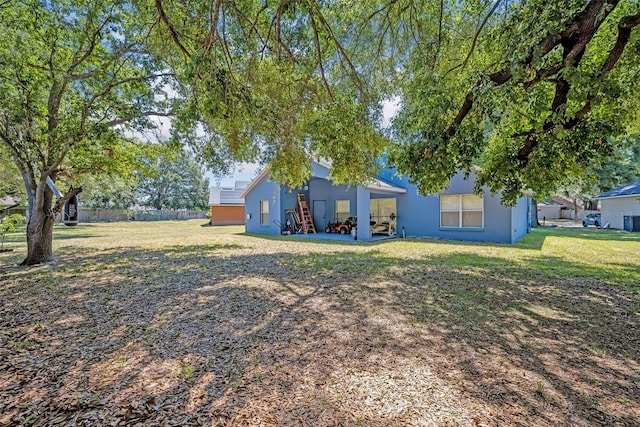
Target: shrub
(8, 225)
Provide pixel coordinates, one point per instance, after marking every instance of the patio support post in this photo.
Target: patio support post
(363, 208)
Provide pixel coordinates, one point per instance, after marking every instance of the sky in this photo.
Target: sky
(248, 171)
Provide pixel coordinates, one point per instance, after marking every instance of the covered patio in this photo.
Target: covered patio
(377, 201)
(337, 237)
(374, 204)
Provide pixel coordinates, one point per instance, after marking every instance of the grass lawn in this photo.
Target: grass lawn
(173, 323)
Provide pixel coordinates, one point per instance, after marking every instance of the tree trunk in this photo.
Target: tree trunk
(534, 214)
(42, 212)
(40, 223)
(39, 238)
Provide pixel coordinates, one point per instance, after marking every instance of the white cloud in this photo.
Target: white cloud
(390, 108)
(242, 172)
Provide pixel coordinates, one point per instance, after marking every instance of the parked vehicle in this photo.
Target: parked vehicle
(340, 226)
(594, 219)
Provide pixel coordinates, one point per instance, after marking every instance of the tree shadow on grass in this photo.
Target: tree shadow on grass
(533, 241)
(222, 335)
(591, 234)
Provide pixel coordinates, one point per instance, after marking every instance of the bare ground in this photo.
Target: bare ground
(233, 330)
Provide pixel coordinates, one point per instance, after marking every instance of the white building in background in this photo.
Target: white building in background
(620, 207)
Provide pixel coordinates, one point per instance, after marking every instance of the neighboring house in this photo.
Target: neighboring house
(550, 209)
(7, 201)
(227, 205)
(569, 209)
(620, 204)
(455, 214)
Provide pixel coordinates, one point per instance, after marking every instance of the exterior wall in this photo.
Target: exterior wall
(263, 190)
(364, 204)
(318, 189)
(567, 214)
(289, 197)
(614, 210)
(227, 215)
(417, 215)
(321, 189)
(420, 215)
(289, 200)
(319, 171)
(520, 219)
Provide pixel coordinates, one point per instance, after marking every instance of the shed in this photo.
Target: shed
(227, 204)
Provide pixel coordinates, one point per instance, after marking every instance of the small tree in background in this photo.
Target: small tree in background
(174, 182)
(8, 225)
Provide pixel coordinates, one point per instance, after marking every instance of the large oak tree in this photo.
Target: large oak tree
(73, 76)
(275, 82)
(532, 92)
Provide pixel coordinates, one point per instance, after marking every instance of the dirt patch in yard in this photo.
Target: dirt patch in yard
(248, 331)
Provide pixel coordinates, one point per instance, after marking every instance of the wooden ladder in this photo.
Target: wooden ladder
(305, 215)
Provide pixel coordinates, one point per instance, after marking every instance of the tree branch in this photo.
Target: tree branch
(117, 55)
(319, 53)
(211, 35)
(111, 86)
(476, 35)
(61, 156)
(172, 31)
(574, 39)
(18, 157)
(625, 26)
(343, 54)
(92, 45)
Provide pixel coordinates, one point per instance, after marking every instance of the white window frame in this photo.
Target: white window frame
(264, 212)
(460, 211)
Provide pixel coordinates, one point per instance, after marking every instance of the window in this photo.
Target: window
(264, 212)
(461, 210)
(382, 209)
(343, 209)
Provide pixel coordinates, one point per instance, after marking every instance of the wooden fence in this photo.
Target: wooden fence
(166, 215)
(112, 215)
(108, 215)
(102, 215)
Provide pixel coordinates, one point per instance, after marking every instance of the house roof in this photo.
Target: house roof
(225, 196)
(551, 202)
(231, 197)
(626, 190)
(564, 201)
(7, 201)
(376, 184)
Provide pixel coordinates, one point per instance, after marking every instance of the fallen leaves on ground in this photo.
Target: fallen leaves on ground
(231, 330)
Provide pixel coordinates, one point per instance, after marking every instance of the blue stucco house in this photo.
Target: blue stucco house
(391, 202)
